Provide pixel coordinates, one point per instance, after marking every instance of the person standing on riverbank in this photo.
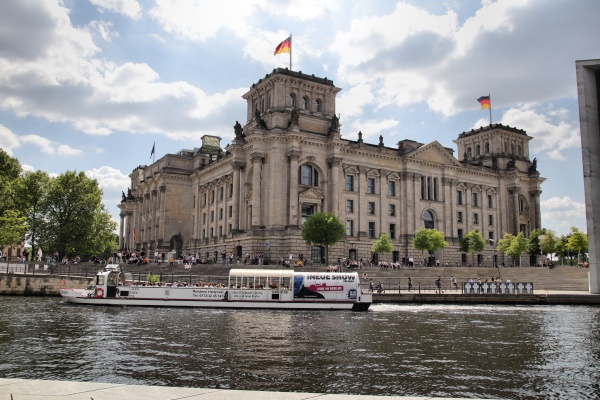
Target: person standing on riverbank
(409, 283)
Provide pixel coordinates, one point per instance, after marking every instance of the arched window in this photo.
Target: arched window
(292, 100)
(469, 152)
(308, 176)
(319, 105)
(305, 103)
(478, 150)
(428, 220)
(487, 147)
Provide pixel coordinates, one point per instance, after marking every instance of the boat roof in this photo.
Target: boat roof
(284, 273)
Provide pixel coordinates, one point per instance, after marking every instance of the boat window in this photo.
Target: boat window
(100, 280)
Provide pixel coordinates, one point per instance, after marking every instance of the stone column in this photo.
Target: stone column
(162, 213)
(514, 191)
(535, 207)
(449, 217)
(361, 182)
(468, 212)
(121, 228)
(257, 159)
(334, 187)
(294, 156)
(237, 167)
(383, 204)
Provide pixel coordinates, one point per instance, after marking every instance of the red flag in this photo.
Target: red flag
(284, 47)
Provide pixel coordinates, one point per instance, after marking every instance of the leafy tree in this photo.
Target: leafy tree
(428, 239)
(323, 229)
(30, 191)
(562, 248)
(10, 168)
(472, 243)
(578, 242)
(12, 228)
(76, 222)
(382, 244)
(513, 246)
(549, 243)
(534, 246)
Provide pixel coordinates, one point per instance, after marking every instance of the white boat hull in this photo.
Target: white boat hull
(179, 297)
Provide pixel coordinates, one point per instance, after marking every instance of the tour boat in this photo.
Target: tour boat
(245, 288)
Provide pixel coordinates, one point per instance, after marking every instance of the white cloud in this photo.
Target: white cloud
(104, 29)
(551, 137)
(8, 140)
(130, 8)
(49, 147)
(372, 128)
(27, 168)
(109, 178)
(561, 213)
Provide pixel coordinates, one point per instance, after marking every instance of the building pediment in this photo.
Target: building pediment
(310, 195)
(435, 153)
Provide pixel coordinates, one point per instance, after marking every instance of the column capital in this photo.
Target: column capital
(258, 156)
(238, 165)
(293, 155)
(334, 161)
(535, 193)
(514, 189)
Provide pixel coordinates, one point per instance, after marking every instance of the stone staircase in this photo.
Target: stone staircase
(567, 278)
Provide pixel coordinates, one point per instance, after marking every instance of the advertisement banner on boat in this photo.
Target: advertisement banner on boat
(325, 285)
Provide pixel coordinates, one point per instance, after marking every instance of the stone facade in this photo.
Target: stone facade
(289, 161)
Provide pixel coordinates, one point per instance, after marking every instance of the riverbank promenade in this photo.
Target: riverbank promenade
(23, 389)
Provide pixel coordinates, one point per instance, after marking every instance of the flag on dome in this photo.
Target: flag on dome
(484, 101)
(284, 47)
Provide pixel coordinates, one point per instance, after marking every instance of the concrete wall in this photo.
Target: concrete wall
(38, 285)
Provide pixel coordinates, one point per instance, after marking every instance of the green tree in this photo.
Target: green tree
(382, 244)
(472, 243)
(513, 246)
(428, 239)
(562, 249)
(534, 247)
(549, 243)
(12, 227)
(323, 229)
(76, 222)
(10, 169)
(578, 242)
(30, 192)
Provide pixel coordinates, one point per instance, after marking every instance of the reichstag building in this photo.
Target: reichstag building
(289, 161)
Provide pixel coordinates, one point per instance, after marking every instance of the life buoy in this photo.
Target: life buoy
(99, 293)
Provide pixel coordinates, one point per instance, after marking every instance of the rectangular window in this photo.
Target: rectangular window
(212, 216)
(371, 208)
(459, 216)
(221, 192)
(371, 229)
(220, 231)
(307, 211)
(423, 188)
(491, 235)
(220, 213)
(230, 212)
(459, 197)
(371, 185)
(392, 210)
(474, 196)
(392, 231)
(194, 202)
(460, 233)
(391, 188)
(429, 189)
(212, 196)
(350, 183)
(490, 201)
(475, 218)
(349, 228)
(490, 220)
(203, 218)
(435, 189)
(203, 199)
(231, 190)
(212, 232)
(349, 206)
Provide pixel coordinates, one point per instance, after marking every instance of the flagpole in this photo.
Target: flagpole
(490, 96)
(290, 51)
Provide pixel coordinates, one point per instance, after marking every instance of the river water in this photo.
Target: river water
(485, 351)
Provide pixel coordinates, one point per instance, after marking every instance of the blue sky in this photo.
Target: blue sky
(91, 85)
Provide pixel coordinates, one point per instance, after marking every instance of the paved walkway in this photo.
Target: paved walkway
(21, 389)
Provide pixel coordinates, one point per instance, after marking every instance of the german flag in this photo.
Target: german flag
(484, 101)
(284, 47)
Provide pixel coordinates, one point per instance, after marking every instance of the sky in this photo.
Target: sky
(92, 85)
